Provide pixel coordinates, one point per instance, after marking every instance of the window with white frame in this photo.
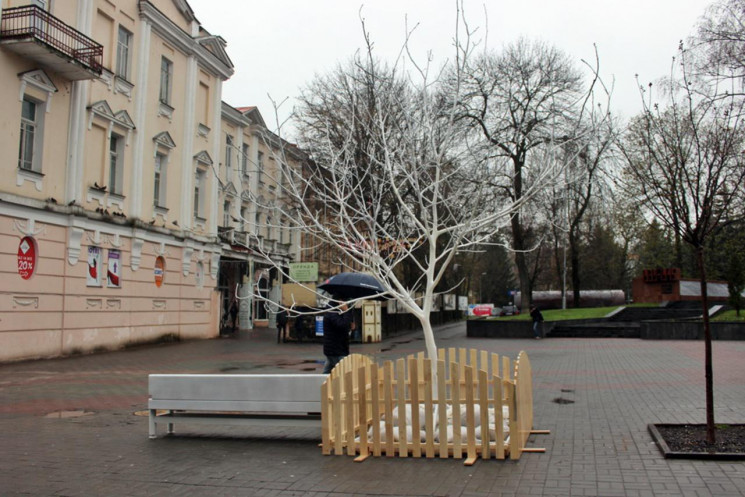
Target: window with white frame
(244, 160)
(159, 180)
(29, 152)
(123, 53)
(116, 164)
(199, 193)
(166, 80)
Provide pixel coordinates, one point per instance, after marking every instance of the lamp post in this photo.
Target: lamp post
(481, 284)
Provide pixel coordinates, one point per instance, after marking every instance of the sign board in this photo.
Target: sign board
(95, 271)
(294, 294)
(114, 269)
(26, 257)
(159, 270)
(661, 275)
(462, 302)
(480, 309)
(304, 271)
(319, 326)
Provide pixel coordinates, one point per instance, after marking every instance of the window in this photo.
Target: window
(166, 80)
(123, 47)
(28, 153)
(116, 173)
(229, 158)
(199, 193)
(261, 166)
(159, 180)
(226, 213)
(244, 216)
(244, 160)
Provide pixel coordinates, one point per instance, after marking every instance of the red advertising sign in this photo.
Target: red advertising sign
(159, 271)
(26, 257)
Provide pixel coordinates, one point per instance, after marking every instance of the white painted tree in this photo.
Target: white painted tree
(394, 184)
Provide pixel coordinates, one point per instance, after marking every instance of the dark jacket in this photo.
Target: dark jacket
(281, 318)
(536, 315)
(336, 329)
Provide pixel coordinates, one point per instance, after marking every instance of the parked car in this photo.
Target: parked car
(509, 310)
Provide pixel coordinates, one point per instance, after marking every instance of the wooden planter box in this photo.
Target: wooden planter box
(474, 393)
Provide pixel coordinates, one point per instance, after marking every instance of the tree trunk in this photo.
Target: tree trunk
(574, 251)
(710, 432)
(518, 243)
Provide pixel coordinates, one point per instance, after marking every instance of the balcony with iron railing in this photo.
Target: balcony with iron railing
(34, 33)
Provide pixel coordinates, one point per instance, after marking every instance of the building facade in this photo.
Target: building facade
(111, 153)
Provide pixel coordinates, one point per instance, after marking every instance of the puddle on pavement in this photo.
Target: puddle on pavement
(561, 400)
(68, 414)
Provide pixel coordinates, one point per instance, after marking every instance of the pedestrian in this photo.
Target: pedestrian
(281, 324)
(337, 324)
(537, 320)
(234, 314)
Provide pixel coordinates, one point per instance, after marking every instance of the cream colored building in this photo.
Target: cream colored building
(111, 146)
(257, 240)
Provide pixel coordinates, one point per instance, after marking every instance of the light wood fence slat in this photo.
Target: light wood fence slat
(410, 408)
(470, 418)
(337, 415)
(499, 421)
(362, 381)
(442, 407)
(484, 411)
(455, 402)
(429, 444)
(388, 389)
(375, 410)
(326, 420)
(348, 406)
(416, 430)
(403, 450)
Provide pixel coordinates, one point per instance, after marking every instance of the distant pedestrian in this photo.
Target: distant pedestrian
(281, 324)
(234, 314)
(337, 325)
(537, 320)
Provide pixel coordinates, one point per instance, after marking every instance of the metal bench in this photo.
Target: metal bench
(272, 399)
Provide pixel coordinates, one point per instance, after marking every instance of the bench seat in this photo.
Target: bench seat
(267, 399)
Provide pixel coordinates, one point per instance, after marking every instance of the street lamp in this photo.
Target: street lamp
(481, 284)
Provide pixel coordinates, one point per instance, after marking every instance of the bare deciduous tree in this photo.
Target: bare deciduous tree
(527, 97)
(395, 180)
(684, 162)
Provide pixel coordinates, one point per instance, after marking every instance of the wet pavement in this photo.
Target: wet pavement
(73, 426)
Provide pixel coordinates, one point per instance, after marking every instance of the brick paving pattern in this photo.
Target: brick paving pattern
(69, 426)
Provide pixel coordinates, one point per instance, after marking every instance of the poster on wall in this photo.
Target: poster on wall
(159, 270)
(114, 269)
(94, 266)
(26, 257)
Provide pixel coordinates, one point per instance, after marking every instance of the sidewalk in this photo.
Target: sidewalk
(69, 426)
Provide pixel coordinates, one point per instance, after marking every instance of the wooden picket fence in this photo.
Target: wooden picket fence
(481, 405)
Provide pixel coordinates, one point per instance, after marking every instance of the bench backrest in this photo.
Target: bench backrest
(281, 393)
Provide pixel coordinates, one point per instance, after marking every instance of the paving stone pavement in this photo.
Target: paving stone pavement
(69, 426)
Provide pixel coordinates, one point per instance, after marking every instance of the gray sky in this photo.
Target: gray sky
(278, 46)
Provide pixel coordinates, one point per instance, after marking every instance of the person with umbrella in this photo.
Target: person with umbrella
(337, 324)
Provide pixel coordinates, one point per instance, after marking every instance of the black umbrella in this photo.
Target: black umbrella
(350, 286)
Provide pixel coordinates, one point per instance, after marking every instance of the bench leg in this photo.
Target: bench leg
(170, 425)
(151, 422)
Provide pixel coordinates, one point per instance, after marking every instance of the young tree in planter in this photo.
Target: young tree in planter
(684, 162)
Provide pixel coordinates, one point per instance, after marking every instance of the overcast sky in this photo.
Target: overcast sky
(279, 46)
